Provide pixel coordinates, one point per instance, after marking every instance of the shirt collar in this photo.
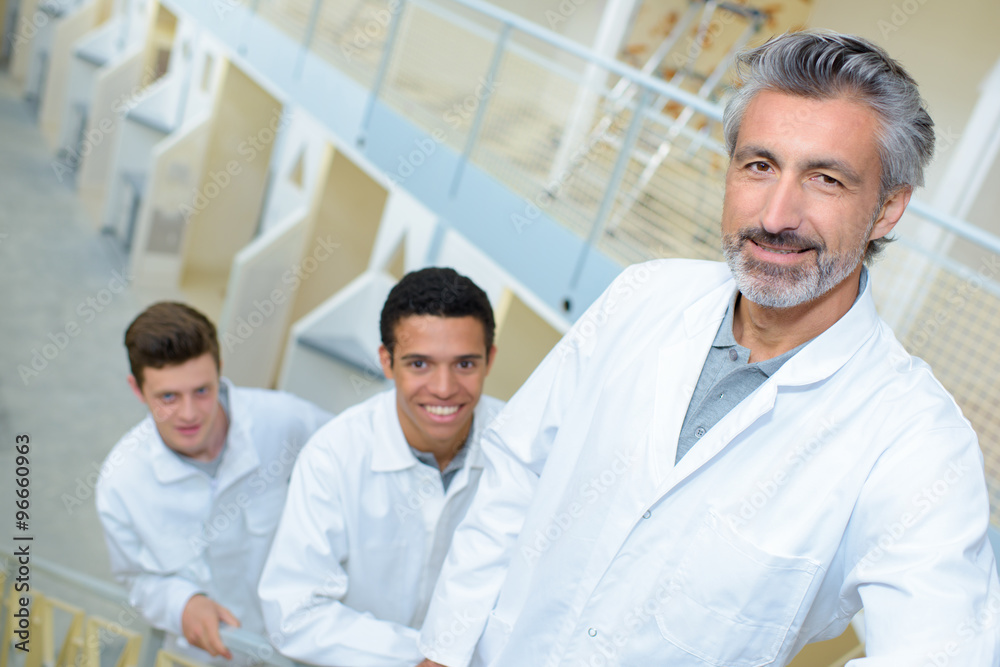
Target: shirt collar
(393, 452)
(724, 338)
(237, 459)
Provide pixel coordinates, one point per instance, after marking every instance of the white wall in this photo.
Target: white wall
(948, 47)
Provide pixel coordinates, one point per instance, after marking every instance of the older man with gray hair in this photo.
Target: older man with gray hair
(722, 462)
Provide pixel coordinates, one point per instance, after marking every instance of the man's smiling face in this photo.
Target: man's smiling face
(438, 365)
(802, 197)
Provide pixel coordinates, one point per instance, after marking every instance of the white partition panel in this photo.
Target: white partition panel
(174, 173)
(297, 168)
(116, 84)
(146, 122)
(91, 52)
(408, 228)
(66, 33)
(259, 301)
(23, 33)
(332, 353)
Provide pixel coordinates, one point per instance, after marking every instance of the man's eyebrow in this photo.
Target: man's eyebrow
(750, 151)
(417, 355)
(845, 170)
(848, 173)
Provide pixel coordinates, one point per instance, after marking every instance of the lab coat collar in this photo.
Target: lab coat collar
(238, 458)
(828, 352)
(818, 360)
(821, 357)
(391, 451)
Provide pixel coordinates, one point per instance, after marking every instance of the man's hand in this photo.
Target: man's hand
(200, 624)
(430, 663)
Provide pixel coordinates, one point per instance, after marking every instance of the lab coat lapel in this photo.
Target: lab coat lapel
(167, 467)
(391, 451)
(679, 365)
(817, 361)
(652, 471)
(240, 457)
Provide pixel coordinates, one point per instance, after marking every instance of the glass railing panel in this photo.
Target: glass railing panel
(952, 324)
(290, 16)
(351, 34)
(437, 67)
(525, 142)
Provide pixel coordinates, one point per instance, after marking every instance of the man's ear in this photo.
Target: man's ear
(490, 356)
(892, 211)
(385, 358)
(134, 384)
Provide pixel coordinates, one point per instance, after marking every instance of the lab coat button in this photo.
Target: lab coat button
(592, 632)
(646, 515)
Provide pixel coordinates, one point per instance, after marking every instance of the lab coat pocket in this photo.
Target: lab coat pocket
(731, 603)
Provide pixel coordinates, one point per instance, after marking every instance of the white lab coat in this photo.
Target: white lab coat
(848, 479)
(173, 531)
(362, 539)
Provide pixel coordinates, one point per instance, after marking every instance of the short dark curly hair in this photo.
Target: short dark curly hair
(168, 334)
(438, 291)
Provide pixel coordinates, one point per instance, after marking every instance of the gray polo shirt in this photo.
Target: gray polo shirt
(450, 470)
(727, 378)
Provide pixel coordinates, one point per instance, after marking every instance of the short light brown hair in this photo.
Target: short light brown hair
(167, 334)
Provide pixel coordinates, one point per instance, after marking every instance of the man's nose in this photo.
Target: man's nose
(783, 209)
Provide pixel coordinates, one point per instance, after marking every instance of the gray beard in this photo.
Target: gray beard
(775, 286)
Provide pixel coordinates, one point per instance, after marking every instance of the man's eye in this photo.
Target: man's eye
(418, 363)
(466, 364)
(760, 166)
(828, 180)
(167, 398)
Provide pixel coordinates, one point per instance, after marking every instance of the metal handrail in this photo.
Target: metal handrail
(957, 226)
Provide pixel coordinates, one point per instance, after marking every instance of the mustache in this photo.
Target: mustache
(785, 239)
